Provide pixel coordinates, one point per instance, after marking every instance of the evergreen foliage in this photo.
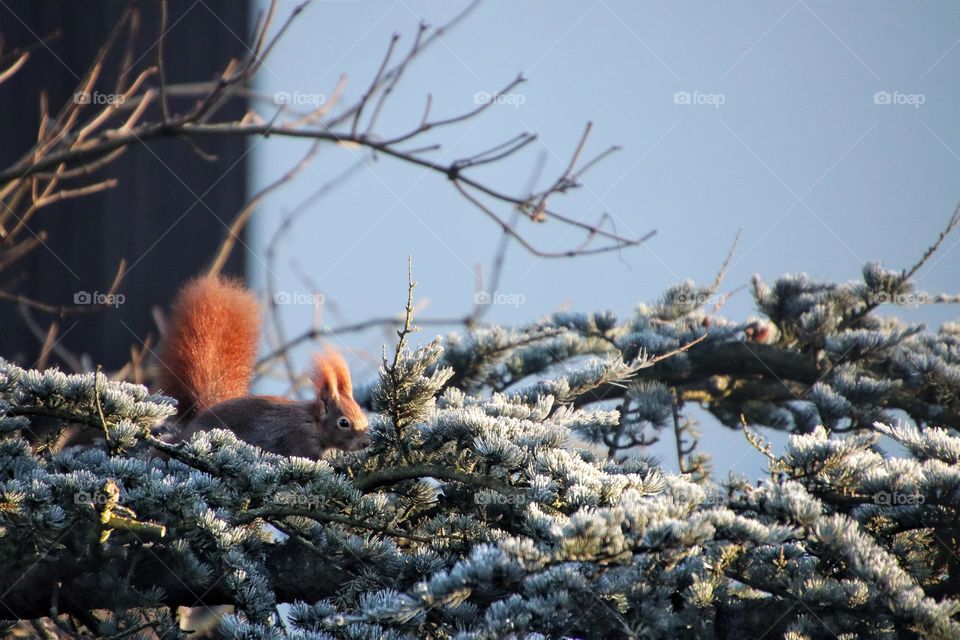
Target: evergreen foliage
(503, 497)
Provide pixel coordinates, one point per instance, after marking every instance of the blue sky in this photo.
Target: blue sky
(826, 132)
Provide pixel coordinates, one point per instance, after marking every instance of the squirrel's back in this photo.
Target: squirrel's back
(208, 353)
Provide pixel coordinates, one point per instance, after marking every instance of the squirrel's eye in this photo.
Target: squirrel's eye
(343, 423)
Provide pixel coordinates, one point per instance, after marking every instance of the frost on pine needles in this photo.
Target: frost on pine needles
(507, 494)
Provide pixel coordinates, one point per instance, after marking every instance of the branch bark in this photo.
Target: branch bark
(296, 572)
(782, 374)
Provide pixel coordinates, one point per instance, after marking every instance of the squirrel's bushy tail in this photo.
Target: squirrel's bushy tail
(209, 351)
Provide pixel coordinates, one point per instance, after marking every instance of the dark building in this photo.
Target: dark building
(173, 199)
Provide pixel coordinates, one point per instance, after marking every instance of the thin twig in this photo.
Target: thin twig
(103, 419)
(396, 78)
(240, 220)
(726, 263)
(372, 323)
(467, 115)
(7, 73)
(164, 18)
(374, 84)
(677, 431)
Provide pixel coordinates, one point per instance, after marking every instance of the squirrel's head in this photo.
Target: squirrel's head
(342, 423)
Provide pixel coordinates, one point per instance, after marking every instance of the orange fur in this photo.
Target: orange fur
(210, 348)
(331, 379)
(206, 363)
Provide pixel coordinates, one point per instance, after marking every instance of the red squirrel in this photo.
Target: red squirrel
(206, 362)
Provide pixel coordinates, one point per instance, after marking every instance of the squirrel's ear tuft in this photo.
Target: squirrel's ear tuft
(331, 376)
